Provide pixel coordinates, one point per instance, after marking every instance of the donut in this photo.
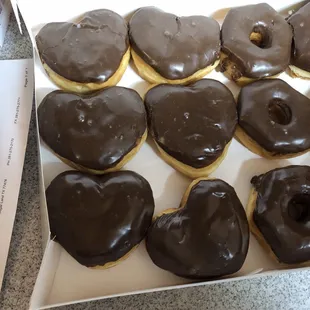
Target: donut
(87, 55)
(256, 43)
(273, 119)
(279, 213)
(188, 125)
(300, 59)
(96, 133)
(171, 49)
(206, 237)
(99, 220)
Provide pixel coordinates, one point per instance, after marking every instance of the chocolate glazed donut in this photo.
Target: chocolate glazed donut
(273, 119)
(279, 212)
(207, 237)
(171, 49)
(96, 133)
(88, 55)
(300, 60)
(99, 219)
(256, 43)
(192, 125)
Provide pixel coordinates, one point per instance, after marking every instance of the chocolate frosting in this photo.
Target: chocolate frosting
(188, 122)
(282, 212)
(207, 238)
(275, 115)
(95, 131)
(175, 47)
(88, 51)
(251, 60)
(300, 22)
(98, 219)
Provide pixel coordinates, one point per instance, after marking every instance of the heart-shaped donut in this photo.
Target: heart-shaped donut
(171, 49)
(88, 55)
(99, 219)
(207, 237)
(192, 125)
(98, 133)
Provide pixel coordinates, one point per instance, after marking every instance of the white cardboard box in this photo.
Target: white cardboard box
(61, 279)
(16, 98)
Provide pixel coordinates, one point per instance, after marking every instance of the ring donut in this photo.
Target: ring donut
(273, 119)
(256, 43)
(279, 213)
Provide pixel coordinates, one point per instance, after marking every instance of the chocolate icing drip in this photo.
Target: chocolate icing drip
(175, 47)
(188, 122)
(95, 131)
(272, 55)
(88, 51)
(282, 212)
(207, 238)
(98, 219)
(300, 22)
(275, 115)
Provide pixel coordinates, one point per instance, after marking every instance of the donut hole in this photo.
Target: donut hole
(299, 208)
(260, 37)
(279, 112)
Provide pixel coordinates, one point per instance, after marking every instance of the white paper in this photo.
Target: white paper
(5, 11)
(16, 89)
(66, 281)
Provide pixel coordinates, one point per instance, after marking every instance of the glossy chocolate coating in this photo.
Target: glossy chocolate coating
(90, 50)
(192, 123)
(207, 238)
(95, 131)
(175, 47)
(300, 22)
(98, 219)
(253, 61)
(282, 212)
(255, 102)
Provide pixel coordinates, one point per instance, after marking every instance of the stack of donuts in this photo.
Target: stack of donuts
(99, 212)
